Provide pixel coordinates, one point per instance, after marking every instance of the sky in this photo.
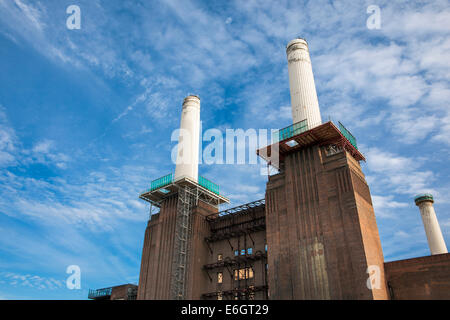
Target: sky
(86, 117)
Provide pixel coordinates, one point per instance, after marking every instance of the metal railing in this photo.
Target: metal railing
(99, 293)
(208, 184)
(347, 135)
(290, 131)
(168, 179)
(302, 126)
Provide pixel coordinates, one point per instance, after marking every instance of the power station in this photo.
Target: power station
(313, 236)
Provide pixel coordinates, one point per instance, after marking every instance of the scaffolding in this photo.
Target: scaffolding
(187, 199)
(227, 224)
(235, 293)
(238, 260)
(238, 223)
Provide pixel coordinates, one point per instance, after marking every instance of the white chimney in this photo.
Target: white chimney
(188, 142)
(432, 229)
(301, 82)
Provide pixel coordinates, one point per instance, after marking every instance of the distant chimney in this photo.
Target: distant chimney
(188, 142)
(432, 229)
(301, 82)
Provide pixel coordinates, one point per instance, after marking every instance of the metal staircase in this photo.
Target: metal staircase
(187, 199)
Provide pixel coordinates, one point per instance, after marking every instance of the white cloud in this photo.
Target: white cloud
(385, 206)
(43, 146)
(8, 141)
(399, 174)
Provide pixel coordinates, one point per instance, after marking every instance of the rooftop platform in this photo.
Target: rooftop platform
(165, 187)
(298, 136)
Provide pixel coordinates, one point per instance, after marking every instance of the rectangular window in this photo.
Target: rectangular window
(219, 257)
(236, 253)
(265, 247)
(249, 273)
(243, 252)
(219, 277)
(244, 273)
(249, 251)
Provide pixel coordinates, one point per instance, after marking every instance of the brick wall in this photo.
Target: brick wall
(421, 278)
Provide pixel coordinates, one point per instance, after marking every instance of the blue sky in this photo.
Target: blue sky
(86, 117)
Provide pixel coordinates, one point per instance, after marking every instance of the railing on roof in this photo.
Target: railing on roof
(161, 182)
(168, 179)
(99, 293)
(209, 185)
(302, 126)
(290, 131)
(348, 135)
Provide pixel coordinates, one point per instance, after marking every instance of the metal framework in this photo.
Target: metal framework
(187, 199)
(237, 291)
(165, 189)
(238, 260)
(236, 210)
(237, 226)
(226, 224)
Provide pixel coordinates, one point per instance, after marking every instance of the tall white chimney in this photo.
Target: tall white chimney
(301, 82)
(188, 142)
(432, 229)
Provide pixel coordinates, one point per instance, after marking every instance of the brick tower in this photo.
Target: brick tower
(322, 236)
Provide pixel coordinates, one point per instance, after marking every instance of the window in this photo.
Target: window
(236, 253)
(243, 252)
(265, 247)
(219, 257)
(249, 250)
(219, 277)
(243, 273)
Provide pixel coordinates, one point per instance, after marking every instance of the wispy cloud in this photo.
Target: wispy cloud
(31, 281)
